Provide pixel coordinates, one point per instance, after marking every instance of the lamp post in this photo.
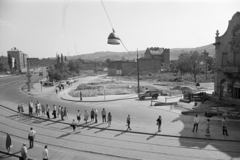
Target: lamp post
(28, 74)
(138, 73)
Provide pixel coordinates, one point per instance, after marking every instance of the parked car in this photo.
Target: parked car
(63, 83)
(69, 80)
(153, 94)
(48, 83)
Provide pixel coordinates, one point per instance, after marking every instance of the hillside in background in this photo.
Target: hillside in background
(174, 53)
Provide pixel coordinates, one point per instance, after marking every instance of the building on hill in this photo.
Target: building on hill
(146, 66)
(155, 60)
(163, 55)
(227, 52)
(20, 58)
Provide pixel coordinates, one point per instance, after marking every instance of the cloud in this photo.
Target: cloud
(5, 23)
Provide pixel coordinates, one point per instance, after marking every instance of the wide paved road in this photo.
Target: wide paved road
(92, 143)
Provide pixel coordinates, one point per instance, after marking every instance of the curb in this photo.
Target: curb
(136, 132)
(98, 101)
(26, 91)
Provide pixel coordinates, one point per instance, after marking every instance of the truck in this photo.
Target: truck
(153, 94)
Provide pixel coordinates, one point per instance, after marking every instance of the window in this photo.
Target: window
(224, 59)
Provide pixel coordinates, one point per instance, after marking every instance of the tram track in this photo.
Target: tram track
(107, 146)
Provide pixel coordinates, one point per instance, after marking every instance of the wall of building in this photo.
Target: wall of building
(149, 65)
(20, 58)
(129, 68)
(4, 62)
(227, 52)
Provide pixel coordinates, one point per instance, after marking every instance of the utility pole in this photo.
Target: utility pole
(28, 74)
(138, 73)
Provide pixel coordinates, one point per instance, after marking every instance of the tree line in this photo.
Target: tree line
(194, 63)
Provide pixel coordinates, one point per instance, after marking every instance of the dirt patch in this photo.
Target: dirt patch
(128, 85)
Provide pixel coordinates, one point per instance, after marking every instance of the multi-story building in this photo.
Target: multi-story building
(227, 52)
(20, 58)
(4, 62)
(163, 55)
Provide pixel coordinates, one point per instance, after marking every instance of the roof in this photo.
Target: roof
(156, 50)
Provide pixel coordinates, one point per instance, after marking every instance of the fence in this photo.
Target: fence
(166, 98)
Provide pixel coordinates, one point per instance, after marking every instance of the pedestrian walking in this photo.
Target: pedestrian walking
(78, 116)
(18, 109)
(92, 115)
(56, 90)
(22, 108)
(24, 152)
(224, 126)
(8, 143)
(45, 153)
(195, 121)
(159, 123)
(38, 109)
(80, 94)
(30, 107)
(73, 125)
(86, 115)
(95, 115)
(65, 113)
(54, 111)
(43, 108)
(109, 119)
(208, 128)
(31, 137)
(48, 111)
(128, 122)
(62, 114)
(104, 116)
(59, 111)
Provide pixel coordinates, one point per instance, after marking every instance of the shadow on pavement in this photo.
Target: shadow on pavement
(101, 130)
(64, 135)
(215, 133)
(8, 156)
(152, 136)
(53, 122)
(148, 99)
(121, 133)
(91, 126)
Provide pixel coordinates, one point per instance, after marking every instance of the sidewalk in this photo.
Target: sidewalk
(173, 129)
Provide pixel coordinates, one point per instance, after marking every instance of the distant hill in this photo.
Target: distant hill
(174, 53)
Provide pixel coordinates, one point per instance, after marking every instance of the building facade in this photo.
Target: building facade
(163, 55)
(4, 62)
(20, 58)
(227, 52)
(154, 61)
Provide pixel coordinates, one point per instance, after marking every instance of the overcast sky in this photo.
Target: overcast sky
(42, 28)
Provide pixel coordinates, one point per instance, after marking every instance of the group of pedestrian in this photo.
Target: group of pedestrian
(44, 110)
(196, 122)
(24, 150)
(20, 108)
(94, 117)
(59, 88)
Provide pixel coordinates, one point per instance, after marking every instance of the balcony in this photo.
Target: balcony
(230, 69)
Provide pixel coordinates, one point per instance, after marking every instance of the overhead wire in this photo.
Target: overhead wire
(113, 29)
